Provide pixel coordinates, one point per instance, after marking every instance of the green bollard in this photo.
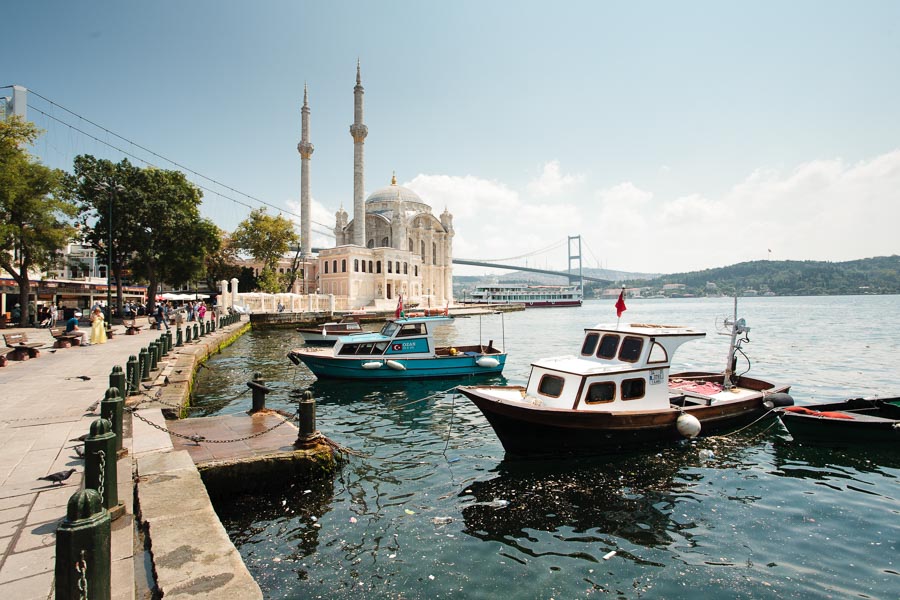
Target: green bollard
(169, 345)
(145, 364)
(209, 327)
(154, 355)
(196, 331)
(306, 431)
(83, 542)
(100, 466)
(178, 338)
(187, 334)
(133, 375)
(161, 346)
(117, 380)
(111, 409)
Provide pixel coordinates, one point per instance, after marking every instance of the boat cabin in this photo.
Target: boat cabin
(398, 337)
(618, 368)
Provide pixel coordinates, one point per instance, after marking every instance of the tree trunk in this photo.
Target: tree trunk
(24, 292)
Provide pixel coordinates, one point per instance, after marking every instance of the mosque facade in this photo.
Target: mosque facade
(391, 245)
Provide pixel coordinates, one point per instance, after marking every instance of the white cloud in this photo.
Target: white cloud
(323, 220)
(552, 182)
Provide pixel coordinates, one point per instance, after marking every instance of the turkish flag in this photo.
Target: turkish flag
(620, 304)
(399, 312)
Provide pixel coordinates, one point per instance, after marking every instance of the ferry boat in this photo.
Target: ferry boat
(617, 393)
(532, 296)
(403, 349)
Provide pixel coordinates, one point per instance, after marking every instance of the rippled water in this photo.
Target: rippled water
(427, 507)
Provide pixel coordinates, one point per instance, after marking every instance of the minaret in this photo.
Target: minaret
(359, 133)
(305, 149)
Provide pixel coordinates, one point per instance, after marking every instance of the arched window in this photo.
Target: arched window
(422, 246)
(370, 266)
(334, 266)
(343, 265)
(385, 242)
(390, 267)
(433, 253)
(416, 270)
(370, 243)
(378, 266)
(398, 267)
(356, 264)
(326, 267)
(405, 268)
(410, 245)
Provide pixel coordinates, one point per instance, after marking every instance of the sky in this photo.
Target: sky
(671, 136)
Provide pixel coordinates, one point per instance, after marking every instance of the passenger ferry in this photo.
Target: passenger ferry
(532, 296)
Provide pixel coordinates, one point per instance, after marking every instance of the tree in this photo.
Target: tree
(34, 220)
(106, 194)
(222, 264)
(173, 240)
(266, 239)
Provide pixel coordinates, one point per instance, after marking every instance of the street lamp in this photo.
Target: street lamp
(111, 190)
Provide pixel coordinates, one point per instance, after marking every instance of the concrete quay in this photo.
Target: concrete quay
(52, 399)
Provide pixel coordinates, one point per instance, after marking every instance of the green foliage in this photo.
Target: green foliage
(879, 275)
(270, 282)
(265, 238)
(34, 219)
(222, 264)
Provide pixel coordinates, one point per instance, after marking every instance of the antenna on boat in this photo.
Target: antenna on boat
(738, 327)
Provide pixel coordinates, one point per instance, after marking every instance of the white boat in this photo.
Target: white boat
(532, 296)
(617, 393)
(328, 333)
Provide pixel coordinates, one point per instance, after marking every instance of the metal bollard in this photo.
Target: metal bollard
(259, 393)
(306, 433)
(196, 331)
(169, 345)
(212, 323)
(187, 333)
(145, 364)
(83, 542)
(179, 342)
(153, 347)
(132, 375)
(100, 466)
(117, 380)
(111, 408)
(162, 345)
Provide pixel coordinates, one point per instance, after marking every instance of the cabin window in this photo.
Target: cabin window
(551, 385)
(590, 344)
(658, 354)
(633, 389)
(597, 393)
(348, 349)
(608, 346)
(410, 329)
(389, 329)
(631, 349)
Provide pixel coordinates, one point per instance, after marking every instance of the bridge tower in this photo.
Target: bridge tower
(575, 254)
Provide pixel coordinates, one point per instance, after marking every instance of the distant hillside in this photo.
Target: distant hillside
(879, 275)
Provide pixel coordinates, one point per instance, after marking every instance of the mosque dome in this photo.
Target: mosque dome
(386, 198)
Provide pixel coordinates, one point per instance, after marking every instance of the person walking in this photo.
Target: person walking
(201, 312)
(54, 315)
(98, 327)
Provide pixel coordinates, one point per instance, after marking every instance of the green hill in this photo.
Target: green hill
(879, 275)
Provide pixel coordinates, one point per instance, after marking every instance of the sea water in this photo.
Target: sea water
(427, 506)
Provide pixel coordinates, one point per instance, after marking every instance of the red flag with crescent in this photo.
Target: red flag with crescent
(620, 304)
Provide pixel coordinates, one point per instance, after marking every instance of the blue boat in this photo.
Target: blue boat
(403, 349)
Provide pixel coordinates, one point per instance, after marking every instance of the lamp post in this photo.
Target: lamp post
(111, 190)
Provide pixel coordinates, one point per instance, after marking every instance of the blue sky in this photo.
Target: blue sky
(671, 136)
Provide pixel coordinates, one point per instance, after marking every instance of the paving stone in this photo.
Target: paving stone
(26, 564)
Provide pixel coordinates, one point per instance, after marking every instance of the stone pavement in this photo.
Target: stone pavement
(46, 402)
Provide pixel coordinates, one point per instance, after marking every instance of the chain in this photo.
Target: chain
(102, 456)
(199, 438)
(81, 569)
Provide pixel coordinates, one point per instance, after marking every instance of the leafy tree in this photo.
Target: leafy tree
(174, 240)
(106, 194)
(222, 264)
(34, 220)
(266, 239)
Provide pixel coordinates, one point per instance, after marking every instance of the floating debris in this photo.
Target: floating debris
(442, 520)
(609, 555)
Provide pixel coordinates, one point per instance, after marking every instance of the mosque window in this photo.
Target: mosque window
(410, 245)
(370, 243)
(343, 265)
(405, 268)
(390, 266)
(433, 253)
(398, 267)
(378, 267)
(416, 270)
(356, 264)
(334, 266)
(422, 246)
(370, 266)
(385, 242)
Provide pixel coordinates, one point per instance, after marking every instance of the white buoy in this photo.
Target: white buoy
(397, 366)
(488, 362)
(688, 425)
(372, 364)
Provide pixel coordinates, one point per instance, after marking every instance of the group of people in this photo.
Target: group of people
(98, 327)
(166, 311)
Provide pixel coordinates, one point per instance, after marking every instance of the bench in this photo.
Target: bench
(22, 349)
(131, 326)
(3, 353)
(63, 339)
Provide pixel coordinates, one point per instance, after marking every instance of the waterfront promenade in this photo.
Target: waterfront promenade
(52, 399)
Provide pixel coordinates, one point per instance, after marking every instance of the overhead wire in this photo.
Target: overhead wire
(327, 231)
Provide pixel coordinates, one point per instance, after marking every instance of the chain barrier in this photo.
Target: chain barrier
(199, 438)
(102, 480)
(81, 569)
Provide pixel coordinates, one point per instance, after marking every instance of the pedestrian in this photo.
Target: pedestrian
(17, 313)
(161, 317)
(201, 312)
(54, 315)
(98, 327)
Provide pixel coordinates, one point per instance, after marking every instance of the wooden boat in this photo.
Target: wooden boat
(328, 333)
(853, 421)
(403, 349)
(617, 393)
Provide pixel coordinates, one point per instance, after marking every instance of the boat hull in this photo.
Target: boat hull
(872, 422)
(399, 367)
(526, 430)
